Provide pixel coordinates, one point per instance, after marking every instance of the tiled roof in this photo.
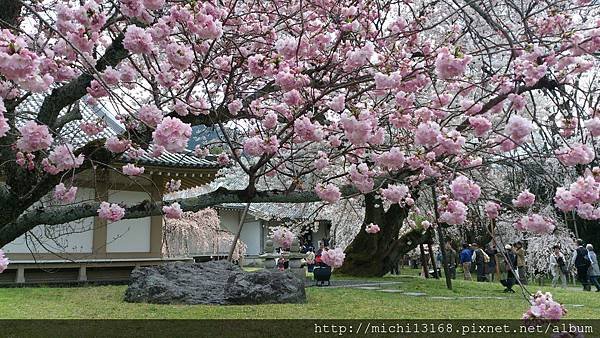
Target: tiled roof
(277, 211)
(73, 134)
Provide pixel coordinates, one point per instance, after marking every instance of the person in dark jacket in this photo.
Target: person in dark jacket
(582, 263)
(509, 267)
(491, 265)
(480, 259)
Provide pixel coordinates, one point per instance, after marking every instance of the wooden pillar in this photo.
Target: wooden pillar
(156, 222)
(20, 275)
(100, 230)
(82, 277)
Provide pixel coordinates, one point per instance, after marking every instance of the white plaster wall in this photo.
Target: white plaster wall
(251, 236)
(129, 235)
(73, 237)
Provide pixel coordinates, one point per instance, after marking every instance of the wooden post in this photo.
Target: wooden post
(440, 232)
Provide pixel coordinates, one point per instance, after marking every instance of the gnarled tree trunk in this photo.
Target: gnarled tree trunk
(373, 255)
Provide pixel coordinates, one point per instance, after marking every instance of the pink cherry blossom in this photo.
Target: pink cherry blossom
(338, 103)
(464, 189)
(361, 177)
(117, 146)
(138, 40)
(34, 137)
(62, 158)
(172, 211)
(150, 115)
(448, 66)
(3, 261)
(329, 193)
(308, 131)
(110, 212)
(586, 189)
(180, 56)
(64, 195)
(492, 209)
(480, 125)
(453, 212)
(524, 200)
(391, 160)
(518, 129)
(577, 153)
(427, 134)
(132, 170)
(172, 134)
(543, 307)
(283, 237)
(396, 193)
(235, 106)
(372, 228)
(92, 128)
(223, 159)
(333, 257)
(564, 200)
(535, 223)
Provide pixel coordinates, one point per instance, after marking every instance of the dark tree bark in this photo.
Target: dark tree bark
(373, 255)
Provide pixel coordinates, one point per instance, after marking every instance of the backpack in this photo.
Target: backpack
(582, 260)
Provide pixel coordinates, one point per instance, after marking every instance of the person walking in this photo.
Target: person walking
(508, 268)
(581, 262)
(480, 259)
(594, 269)
(465, 260)
(491, 265)
(558, 267)
(521, 268)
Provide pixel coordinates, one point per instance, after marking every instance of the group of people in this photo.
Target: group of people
(510, 264)
(488, 262)
(585, 262)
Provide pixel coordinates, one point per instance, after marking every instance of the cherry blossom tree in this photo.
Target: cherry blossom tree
(330, 99)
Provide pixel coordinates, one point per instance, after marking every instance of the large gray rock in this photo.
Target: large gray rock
(212, 283)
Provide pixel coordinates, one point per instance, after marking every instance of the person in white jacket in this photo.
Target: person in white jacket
(558, 267)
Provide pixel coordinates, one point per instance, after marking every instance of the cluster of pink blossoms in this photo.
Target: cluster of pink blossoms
(361, 177)
(593, 126)
(333, 257)
(372, 228)
(449, 66)
(544, 307)
(173, 185)
(480, 124)
(517, 130)
(392, 160)
(172, 211)
(117, 146)
(398, 194)
(172, 134)
(575, 154)
(452, 212)
(111, 212)
(283, 237)
(132, 170)
(524, 200)
(535, 223)
(492, 209)
(34, 137)
(581, 196)
(3, 261)
(61, 158)
(150, 115)
(465, 190)
(329, 193)
(255, 146)
(64, 195)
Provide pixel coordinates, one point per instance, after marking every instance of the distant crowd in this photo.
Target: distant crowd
(508, 265)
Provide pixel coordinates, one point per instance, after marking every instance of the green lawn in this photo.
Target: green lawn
(323, 303)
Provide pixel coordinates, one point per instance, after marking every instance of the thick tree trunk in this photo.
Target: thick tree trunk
(373, 255)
